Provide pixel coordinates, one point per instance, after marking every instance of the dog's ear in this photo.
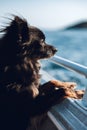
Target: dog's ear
(23, 29)
(18, 29)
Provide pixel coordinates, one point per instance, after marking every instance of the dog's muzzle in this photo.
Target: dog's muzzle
(51, 51)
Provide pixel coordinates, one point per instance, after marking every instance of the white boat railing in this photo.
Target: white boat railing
(74, 67)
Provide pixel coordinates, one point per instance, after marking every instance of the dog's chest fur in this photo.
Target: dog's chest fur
(32, 67)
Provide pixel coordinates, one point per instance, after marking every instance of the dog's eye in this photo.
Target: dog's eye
(38, 45)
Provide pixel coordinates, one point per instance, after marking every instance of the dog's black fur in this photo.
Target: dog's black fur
(21, 95)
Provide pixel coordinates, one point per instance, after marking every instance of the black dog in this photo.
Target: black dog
(22, 97)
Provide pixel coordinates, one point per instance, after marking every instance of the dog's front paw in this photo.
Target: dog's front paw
(79, 93)
(58, 84)
(70, 85)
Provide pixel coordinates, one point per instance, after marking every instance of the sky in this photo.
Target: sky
(46, 14)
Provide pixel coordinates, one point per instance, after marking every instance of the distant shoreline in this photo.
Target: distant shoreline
(80, 25)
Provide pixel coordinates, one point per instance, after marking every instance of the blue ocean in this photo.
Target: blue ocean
(72, 45)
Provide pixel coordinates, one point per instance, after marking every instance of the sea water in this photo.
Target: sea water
(72, 45)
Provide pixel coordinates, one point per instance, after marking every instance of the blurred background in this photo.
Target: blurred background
(47, 14)
(64, 23)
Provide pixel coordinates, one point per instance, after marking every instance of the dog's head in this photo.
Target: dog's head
(38, 48)
(27, 40)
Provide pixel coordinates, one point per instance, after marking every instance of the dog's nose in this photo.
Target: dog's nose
(55, 50)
